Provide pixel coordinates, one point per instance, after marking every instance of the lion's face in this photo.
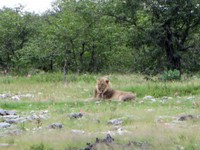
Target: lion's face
(102, 85)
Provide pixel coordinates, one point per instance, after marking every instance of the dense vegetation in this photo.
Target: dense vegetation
(146, 36)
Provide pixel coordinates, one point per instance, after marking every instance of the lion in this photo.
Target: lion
(103, 90)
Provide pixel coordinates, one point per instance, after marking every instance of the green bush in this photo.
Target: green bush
(171, 75)
(40, 146)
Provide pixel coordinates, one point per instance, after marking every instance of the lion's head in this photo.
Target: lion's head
(103, 84)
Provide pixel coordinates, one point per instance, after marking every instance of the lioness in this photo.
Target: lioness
(103, 90)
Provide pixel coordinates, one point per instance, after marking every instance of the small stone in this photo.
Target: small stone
(190, 98)
(14, 121)
(10, 112)
(153, 100)
(150, 110)
(75, 115)
(164, 97)
(186, 117)
(56, 126)
(78, 131)
(108, 139)
(115, 122)
(4, 125)
(7, 112)
(15, 98)
(3, 96)
(149, 97)
(2, 112)
(10, 116)
(27, 96)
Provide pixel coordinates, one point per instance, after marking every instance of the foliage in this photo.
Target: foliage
(145, 36)
(40, 146)
(171, 75)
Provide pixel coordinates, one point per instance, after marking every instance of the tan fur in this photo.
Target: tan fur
(103, 90)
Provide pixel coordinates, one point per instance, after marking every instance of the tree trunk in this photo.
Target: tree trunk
(172, 58)
(65, 72)
(74, 55)
(92, 59)
(81, 57)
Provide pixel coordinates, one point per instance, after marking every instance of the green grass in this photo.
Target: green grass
(45, 83)
(140, 118)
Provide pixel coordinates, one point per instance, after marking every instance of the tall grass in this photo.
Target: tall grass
(84, 83)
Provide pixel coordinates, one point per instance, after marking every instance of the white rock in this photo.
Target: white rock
(15, 98)
(149, 97)
(4, 125)
(190, 98)
(78, 131)
(153, 100)
(2, 96)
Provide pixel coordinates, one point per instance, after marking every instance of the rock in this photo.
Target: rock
(78, 131)
(10, 117)
(186, 117)
(109, 143)
(2, 112)
(15, 98)
(26, 96)
(7, 112)
(4, 125)
(15, 121)
(10, 112)
(121, 131)
(190, 98)
(108, 140)
(56, 126)
(75, 115)
(35, 117)
(3, 96)
(150, 110)
(149, 97)
(5, 145)
(166, 97)
(115, 122)
(153, 100)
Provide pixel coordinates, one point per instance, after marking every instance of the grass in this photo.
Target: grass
(144, 121)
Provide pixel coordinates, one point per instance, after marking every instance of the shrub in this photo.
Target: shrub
(40, 146)
(171, 75)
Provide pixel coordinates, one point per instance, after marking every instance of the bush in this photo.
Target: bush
(40, 146)
(171, 75)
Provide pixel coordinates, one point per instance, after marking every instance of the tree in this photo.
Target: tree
(173, 22)
(9, 41)
(161, 30)
(16, 29)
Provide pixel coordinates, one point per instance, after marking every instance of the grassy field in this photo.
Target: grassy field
(152, 120)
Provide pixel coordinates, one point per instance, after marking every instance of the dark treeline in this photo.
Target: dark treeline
(146, 36)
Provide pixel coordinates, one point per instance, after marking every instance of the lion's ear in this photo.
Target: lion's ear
(107, 81)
